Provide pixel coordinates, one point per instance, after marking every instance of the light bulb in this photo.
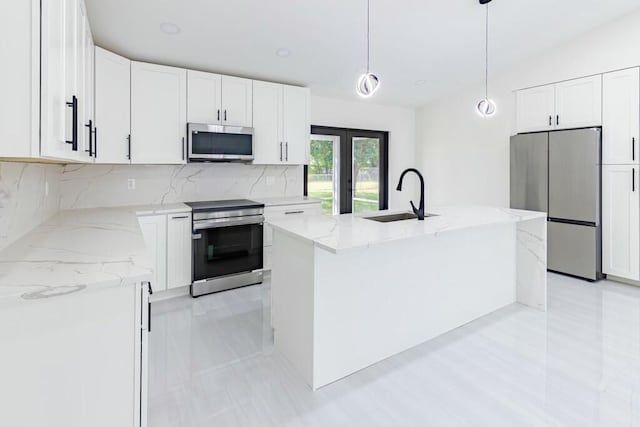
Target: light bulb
(368, 84)
(486, 108)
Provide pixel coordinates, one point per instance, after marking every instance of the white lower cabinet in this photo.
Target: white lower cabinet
(154, 230)
(283, 211)
(168, 239)
(621, 221)
(178, 250)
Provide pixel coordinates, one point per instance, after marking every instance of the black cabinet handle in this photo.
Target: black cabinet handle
(218, 115)
(180, 217)
(286, 147)
(557, 120)
(149, 309)
(294, 212)
(550, 120)
(74, 132)
(225, 115)
(183, 148)
(280, 150)
(95, 142)
(129, 146)
(90, 127)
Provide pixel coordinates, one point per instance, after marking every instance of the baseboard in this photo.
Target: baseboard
(623, 280)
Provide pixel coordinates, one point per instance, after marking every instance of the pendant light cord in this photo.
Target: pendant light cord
(368, 43)
(486, 55)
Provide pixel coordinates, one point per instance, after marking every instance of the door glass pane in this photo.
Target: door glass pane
(323, 179)
(366, 174)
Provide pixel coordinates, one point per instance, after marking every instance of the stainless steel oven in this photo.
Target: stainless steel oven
(207, 143)
(227, 245)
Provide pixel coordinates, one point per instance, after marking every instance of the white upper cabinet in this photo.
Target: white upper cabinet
(296, 126)
(158, 114)
(267, 120)
(237, 100)
(113, 106)
(621, 221)
(566, 105)
(579, 103)
(535, 109)
(179, 250)
(86, 89)
(281, 124)
(621, 117)
(60, 115)
(204, 99)
(20, 83)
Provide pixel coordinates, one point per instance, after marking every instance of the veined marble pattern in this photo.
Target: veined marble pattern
(23, 201)
(87, 186)
(578, 365)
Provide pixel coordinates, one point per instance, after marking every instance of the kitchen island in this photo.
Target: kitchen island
(348, 291)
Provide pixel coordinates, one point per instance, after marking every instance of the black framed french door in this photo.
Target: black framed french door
(349, 169)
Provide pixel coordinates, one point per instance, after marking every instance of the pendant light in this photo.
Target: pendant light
(486, 107)
(368, 83)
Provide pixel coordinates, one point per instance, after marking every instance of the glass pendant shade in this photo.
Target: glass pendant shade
(486, 108)
(368, 84)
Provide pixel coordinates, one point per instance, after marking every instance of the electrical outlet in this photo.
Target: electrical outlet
(131, 184)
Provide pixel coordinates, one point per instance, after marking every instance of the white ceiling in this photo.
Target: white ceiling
(437, 42)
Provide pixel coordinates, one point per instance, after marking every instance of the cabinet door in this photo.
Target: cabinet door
(178, 250)
(158, 114)
(154, 230)
(579, 103)
(268, 144)
(204, 97)
(85, 87)
(58, 83)
(621, 221)
(19, 86)
(621, 117)
(237, 97)
(113, 106)
(535, 109)
(296, 125)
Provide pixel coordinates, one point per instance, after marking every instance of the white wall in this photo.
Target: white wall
(24, 203)
(398, 121)
(466, 158)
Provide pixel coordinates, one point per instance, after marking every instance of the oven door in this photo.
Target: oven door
(221, 143)
(222, 248)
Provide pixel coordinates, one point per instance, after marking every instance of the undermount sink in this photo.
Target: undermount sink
(403, 216)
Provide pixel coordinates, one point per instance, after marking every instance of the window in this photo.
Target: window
(348, 170)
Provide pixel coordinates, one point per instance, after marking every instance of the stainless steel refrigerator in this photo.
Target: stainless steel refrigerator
(560, 173)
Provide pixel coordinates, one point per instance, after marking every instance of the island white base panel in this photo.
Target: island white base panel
(335, 314)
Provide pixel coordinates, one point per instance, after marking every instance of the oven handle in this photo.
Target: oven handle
(227, 222)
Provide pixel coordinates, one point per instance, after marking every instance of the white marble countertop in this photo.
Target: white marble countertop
(343, 232)
(78, 250)
(284, 201)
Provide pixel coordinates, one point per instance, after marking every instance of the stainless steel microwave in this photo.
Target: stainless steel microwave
(209, 143)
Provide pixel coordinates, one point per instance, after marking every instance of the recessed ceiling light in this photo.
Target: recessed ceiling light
(283, 52)
(421, 82)
(169, 28)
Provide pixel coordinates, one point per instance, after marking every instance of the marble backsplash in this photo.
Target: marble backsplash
(87, 186)
(29, 194)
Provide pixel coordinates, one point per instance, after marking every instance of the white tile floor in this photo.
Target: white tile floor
(212, 364)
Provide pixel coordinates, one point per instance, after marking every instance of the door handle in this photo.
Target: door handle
(74, 132)
(558, 120)
(550, 121)
(129, 146)
(95, 142)
(225, 115)
(183, 148)
(218, 115)
(149, 309)
(294, 212)
(180, 217)
(280, 150)
(90, 127)
(286, 144)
